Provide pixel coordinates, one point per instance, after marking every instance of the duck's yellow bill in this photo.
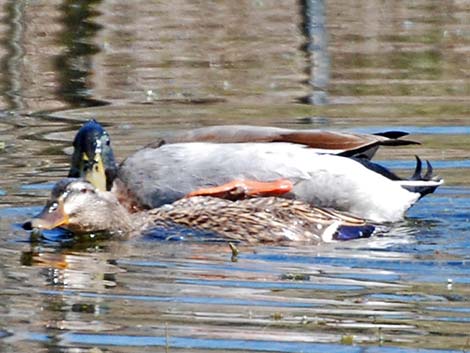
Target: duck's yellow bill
(93, 171)
(51, 216)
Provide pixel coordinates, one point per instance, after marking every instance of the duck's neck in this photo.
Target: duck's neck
(125, 224)
(126, 198)
(116, 219)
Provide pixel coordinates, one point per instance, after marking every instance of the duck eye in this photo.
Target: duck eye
(84, 190)
(53, 207)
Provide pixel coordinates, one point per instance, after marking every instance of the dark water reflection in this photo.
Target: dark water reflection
(74, 64)
(144, 67)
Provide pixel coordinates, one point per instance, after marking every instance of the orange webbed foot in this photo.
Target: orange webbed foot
(241, 189)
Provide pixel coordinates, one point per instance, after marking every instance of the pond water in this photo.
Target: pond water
(145, 67)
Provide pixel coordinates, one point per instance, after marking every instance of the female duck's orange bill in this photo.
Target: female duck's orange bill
(51, 216)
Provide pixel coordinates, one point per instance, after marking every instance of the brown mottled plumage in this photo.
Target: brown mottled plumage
(266, 219)
(78, 206)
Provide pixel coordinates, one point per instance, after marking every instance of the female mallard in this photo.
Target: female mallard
(166, 171)
(76, 205)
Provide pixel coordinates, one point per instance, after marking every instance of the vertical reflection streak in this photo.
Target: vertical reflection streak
(74, 64)
(13, 87)
(317, 50)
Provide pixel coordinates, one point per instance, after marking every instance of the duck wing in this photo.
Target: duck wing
(342, 143)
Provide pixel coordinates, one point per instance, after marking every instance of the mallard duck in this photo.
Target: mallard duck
(166, 171)
(81, 208)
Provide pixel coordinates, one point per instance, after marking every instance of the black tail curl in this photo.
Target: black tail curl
(423, 190)
(417, 175)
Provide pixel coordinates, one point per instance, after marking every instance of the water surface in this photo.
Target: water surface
(142, 68)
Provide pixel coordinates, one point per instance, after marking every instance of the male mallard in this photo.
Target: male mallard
(164, 172)
(77, 205)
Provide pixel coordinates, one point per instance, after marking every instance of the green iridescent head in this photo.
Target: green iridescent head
(93, 157)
